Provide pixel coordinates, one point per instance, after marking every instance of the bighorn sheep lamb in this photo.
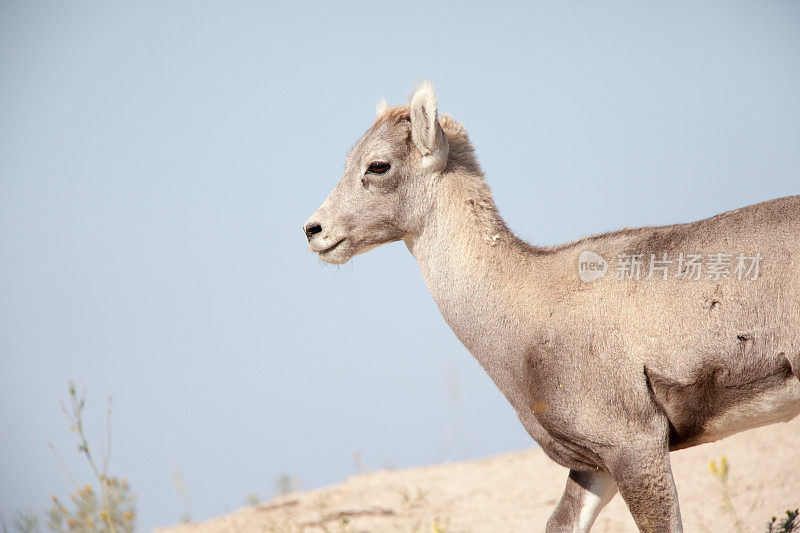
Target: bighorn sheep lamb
(613, 349)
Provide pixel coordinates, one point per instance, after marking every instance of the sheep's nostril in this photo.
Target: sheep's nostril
(311, 229)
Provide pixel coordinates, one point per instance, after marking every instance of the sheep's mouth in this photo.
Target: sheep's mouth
(333, 247)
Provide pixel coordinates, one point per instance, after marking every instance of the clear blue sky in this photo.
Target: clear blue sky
(158, 159)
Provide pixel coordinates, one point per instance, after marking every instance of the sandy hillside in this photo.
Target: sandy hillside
(517, 491)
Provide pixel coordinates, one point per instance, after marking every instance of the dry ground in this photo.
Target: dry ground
(517, 491)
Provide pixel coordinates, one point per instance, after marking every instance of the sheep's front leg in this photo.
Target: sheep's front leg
(585, 494)
(643, 476)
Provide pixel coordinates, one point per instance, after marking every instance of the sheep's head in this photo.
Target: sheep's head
(382, 195)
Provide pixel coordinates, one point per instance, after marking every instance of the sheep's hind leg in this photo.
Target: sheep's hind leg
(584, 496)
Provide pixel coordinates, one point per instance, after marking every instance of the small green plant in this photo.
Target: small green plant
(412, 500)
(721, 473)
(180, 486)
(786, 525)
(24, 522)
(358, 461)
(439, 527)
(286, 484)
(113, 511)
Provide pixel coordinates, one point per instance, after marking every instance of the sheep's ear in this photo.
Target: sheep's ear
(426, 132)
(381, 107)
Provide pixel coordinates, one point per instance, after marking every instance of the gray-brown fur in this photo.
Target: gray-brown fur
(606, 376)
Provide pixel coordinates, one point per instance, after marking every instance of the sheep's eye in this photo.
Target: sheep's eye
(379, 167)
